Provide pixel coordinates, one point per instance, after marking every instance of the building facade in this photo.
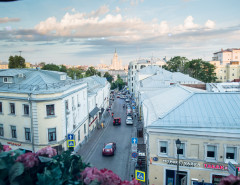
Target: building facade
(116, 63)
(39, 108)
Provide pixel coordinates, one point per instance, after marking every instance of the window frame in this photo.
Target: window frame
(49, 110)
(27, 134)
(24, 113)
(235, 160)
(211, 159)
(50, 133)
(184, 148)
(10, 109)
(159, 148)
(1, 130)
(1, 107)
(14, 132)
(79, 135)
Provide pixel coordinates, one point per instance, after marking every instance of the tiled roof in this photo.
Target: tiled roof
(204, 110)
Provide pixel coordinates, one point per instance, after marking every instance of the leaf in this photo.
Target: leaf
(2, 164)
(16, 170)
(44, 159)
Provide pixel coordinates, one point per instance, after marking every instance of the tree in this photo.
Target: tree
(108, 77)
(16, 62)
(118, 83)
(91, 72)
(63, 68)
(51, 67)
(75, 73)
(176, 64)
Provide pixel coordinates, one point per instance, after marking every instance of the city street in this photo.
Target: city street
(121, 135)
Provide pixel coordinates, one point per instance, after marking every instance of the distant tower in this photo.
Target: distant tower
(116, 63)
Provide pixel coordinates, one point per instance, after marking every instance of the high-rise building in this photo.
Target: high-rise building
(116, 63)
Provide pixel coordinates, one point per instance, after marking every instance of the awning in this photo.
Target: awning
(94, 112)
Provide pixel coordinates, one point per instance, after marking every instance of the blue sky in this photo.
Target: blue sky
(86, 32)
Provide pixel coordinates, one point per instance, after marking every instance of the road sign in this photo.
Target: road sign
(71, 143)
(70, 136)
(134, 140)
(134, 148)
(140, 175)
(232, 169)
(134, 154)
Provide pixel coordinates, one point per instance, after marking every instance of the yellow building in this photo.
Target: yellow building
(3, 65)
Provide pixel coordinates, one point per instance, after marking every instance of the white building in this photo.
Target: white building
(135, 66)
(223, 87)
(227, 56)
(207, 126)
(39, 108)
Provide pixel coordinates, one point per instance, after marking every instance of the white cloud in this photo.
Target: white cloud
(73, 10)
(117, 10)
(210, 24)
(7, 19)
(101, 11)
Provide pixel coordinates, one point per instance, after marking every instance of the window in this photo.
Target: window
(1, 130)
(14, 131)
(225, 77)
(79, 135)
(211, 151)
(73, 103)
(0, 107)
(12, 108)
(84, 128)
(50, 110)
(233, 74)
(27, 134)
(181, 150)
(132, 78)
(163, 147)
(66, 104)
(231, 153)
(51, 134)
(26, 109)
(7, 79)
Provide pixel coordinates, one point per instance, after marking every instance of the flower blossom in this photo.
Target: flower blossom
(229, 180)
(29, 160)
(47, 152)
(6, 148)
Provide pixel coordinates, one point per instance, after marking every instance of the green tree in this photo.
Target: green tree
(108, 77)
(63, 68)
(176, 64)
(16, 62)
(91, 72)
(74, 72)
(118, 83)
(51, 67)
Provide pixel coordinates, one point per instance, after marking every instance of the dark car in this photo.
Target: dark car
(117, 121)
(109, 148)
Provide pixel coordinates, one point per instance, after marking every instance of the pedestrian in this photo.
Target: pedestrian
(102, 125)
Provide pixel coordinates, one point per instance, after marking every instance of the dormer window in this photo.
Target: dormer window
(7, 79)
(63, 77)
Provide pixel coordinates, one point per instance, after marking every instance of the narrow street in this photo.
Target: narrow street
(120, 134)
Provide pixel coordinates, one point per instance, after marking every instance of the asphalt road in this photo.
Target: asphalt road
(121, 135)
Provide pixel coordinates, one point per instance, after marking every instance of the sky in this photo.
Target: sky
(87, 32)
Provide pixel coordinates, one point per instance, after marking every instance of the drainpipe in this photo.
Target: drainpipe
(31, 117)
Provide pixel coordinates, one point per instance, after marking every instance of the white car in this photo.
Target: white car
(129, 120)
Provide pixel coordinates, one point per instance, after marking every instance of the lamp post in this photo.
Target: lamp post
(178, 144)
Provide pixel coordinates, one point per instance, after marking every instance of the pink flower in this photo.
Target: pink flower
(6, 148)
(231, 179)
(29, 160)
(47, 152)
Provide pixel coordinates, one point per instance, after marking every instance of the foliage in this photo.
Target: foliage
(108, 77)
(51, 67)
(196, 68)
(75, 73)
(118, 83)
(91, 72)
(230, 180)
(16, 62)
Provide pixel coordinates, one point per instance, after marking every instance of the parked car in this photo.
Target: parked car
(129, 114)
(109, 149)
(127, 100)
(117, 121)
(129, 120)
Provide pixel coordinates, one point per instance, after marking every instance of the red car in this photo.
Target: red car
(117, 121)
(109, 149)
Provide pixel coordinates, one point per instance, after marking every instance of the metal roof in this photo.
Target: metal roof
(204, 110)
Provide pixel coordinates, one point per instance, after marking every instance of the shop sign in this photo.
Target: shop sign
(92, 121)
(182, 163)
(15, 144)
(217, 167)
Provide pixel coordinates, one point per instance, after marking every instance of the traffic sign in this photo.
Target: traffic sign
(134, 148)
(140, 175)
(134, 154)
(71, 143)
(70, 136)
(232, 169)
(134, 140)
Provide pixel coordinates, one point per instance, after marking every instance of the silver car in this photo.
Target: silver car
(129, 120)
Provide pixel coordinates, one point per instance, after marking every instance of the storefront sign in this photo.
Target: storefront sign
(92, 121)
(217, 167)
(15, 144)
(182, 163)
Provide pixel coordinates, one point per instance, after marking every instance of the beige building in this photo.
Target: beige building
(39, 108)
(227, 63)
(3, 65)
(207, 125)
(116, 63)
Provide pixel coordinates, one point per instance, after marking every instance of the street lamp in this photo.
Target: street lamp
(178, 144)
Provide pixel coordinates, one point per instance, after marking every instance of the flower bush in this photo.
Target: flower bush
(46, 167)
(230, 180)
(29, 160)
